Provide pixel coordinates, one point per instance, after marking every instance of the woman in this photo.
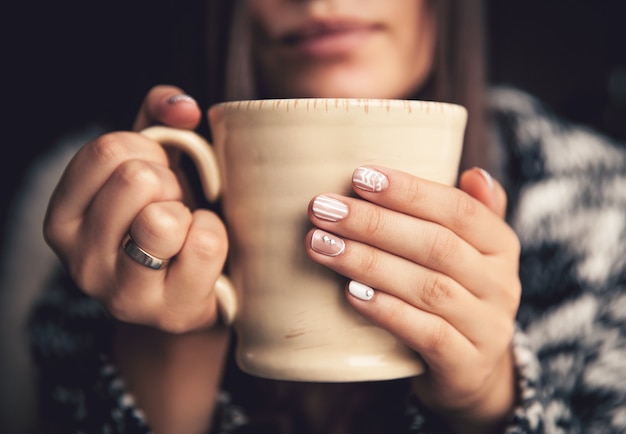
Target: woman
(456, 306)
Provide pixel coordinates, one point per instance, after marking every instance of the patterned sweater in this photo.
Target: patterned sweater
(567, 203)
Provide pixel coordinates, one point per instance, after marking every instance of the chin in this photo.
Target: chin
(353, 83)
(342, 89)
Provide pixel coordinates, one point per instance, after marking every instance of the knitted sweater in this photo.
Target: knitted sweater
(567, 202)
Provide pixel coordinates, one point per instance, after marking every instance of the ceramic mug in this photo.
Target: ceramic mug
(268, 159)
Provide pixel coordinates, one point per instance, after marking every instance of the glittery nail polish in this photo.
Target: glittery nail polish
(329, 209)
(369, 179)
(327, 244)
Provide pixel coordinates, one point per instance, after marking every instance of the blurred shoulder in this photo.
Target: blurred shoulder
(541, 143)
(566, 185)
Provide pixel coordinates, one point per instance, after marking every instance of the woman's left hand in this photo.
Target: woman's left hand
(436, 266)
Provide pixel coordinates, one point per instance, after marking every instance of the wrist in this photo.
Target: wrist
(486, 411)
(174, 377)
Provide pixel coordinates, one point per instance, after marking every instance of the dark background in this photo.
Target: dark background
(69, 63)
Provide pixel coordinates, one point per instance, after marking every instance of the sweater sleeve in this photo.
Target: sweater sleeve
(526, 417)
(79, 389)
(567, 194)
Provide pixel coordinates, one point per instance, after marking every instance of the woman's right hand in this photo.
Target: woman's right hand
(124, 183)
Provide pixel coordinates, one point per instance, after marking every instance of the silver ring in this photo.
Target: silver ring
(142, 257)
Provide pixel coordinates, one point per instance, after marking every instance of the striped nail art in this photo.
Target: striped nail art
(329, 209)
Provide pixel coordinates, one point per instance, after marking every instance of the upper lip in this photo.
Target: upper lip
(314, 29)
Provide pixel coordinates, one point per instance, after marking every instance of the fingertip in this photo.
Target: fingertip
(475, 178)
(479, 184)
(360, 291)
(370, 179)
(181, 98)
(498, 195)
(179, 110)
(486, 177)
(169, 105)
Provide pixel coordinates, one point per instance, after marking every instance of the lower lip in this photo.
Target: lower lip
(333, 44)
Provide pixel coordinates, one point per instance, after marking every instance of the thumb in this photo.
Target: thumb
(479, 184)
(168, 105)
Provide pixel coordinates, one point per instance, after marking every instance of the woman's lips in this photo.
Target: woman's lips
(327, 39)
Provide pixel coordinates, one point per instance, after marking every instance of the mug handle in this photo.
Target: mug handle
(201, 153)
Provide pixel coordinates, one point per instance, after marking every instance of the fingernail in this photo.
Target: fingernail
(329, 209)
(369, 179)
(174, 99)
(327, 244)
(486, 176)
(360, 291)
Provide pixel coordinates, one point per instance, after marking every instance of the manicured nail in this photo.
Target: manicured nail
(486, 176)
(360, 291)
(174, 99)
(327, 244)
(369, 179)
(329, 209)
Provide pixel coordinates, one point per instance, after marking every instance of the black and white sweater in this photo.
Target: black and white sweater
(567, 203)
(567, 187)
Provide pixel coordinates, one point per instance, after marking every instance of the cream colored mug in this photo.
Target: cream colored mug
(268, 159)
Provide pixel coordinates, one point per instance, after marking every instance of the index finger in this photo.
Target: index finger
(93, 165)
(442, 204)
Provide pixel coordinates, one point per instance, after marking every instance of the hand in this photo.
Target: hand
(123, 183)
(443, 266)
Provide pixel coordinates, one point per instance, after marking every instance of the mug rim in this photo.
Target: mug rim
(314, 104)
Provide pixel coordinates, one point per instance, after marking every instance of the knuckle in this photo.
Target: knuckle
(58, 231)
(512, 295)
(83, 275)
(465, 211)
(443, 247)
(110, 148)
(160, 224)
(369, 262)
(501, 342)
(55, 233)
(436, 340)
(133, 171)
(374, 222)
(140, 176)
(413, 190)
(395, 315)
(207, 245)
(436, 291)
(51, 234)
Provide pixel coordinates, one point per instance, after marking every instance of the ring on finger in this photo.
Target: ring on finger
(141, 256)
